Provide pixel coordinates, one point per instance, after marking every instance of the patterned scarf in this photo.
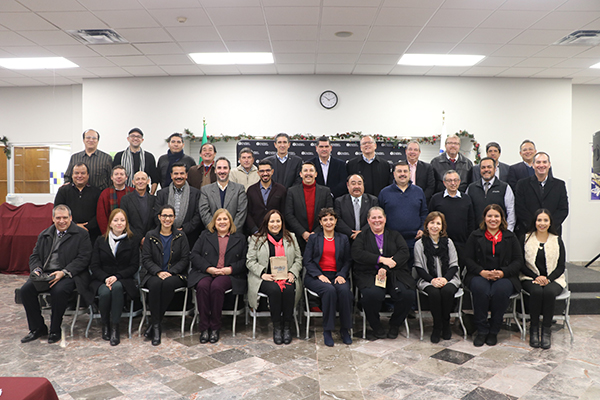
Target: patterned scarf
(497, 238)
(113, 199)
(127, 163)
(183, 205)
(431, 252)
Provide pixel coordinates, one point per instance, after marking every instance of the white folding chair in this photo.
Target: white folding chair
(457, 314)
(235, 312)
(130, 314)
(183, 313)
(77, 311)
(387, 314)
(257, 314)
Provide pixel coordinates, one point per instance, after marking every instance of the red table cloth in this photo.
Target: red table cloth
(27, 389)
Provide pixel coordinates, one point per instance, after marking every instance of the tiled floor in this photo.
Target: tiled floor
(241, 367)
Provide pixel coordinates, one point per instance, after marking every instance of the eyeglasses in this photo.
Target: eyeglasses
(136, 136)
(366, 143)
(452, 180)
(167, 216)
(93, 138)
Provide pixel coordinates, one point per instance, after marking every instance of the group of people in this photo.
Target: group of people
(332, 225)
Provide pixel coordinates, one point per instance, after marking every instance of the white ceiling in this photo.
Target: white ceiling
(516, 37)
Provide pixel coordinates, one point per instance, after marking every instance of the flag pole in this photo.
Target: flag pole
(444, 134)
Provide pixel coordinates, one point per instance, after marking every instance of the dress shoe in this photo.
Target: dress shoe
(204, 336)
(327, 338)
(446, 332)
(54, 337)
(148, 332)
(546, 338)
(492, 339)
(393, 332)
(287, 334)
(105, 331)
(534, 336)
(277, 336)
(346, 338)
(115, 336)
(480, 339)
(214, 336)
(32, 335)
(435, 336)
(156, 334)
(379, 333)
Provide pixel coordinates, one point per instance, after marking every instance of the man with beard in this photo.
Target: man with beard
(264, 196)
(174, 154)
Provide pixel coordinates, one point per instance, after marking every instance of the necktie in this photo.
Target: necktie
(486, 187)
(356, 213)
(541, 188)
(61, 234)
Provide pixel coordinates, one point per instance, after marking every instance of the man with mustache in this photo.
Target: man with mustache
(352, 208)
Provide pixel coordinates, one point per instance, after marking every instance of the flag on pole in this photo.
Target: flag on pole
(444, 134)
(204, 138)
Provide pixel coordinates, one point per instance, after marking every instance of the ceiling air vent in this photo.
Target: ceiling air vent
(580, 38)
(97, 36)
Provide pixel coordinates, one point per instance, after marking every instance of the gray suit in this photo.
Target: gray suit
(235, 202)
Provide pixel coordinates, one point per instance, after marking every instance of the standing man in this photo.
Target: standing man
(541, 190)
(491, 190)
(263, 197)
(523, 169)
(452, 159)
(139, 207)
(224, 194)
(331, 171)
(304, 202)
(246, 173)
(286, 166)
(458, 210)
(99, 164)
(184, 198)
(82, 199)
(174, 154)
(134, 159)
(421, 173)
(62, 251)
(375, 170)
(493, 151)
(204, 173)
(352, 208)
(110, 198)
(404, 205)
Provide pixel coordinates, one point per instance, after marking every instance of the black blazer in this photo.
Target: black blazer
(345, 211)
(129, 204)
(192, 223)
(529, 199)
(292, 170)
(509, 251)
(124, 265)
(377, 175)
(314, 251)
(256, 206)
(152, 255)
(295, 209)
(425, 179)
(366, 253)
(336, 177)
(504, 171)
(206, 254)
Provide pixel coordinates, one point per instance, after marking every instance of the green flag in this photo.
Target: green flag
(204, 139)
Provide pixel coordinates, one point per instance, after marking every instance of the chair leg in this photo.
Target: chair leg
(144, 312)
(364, 324)
(184, 312)
(254, 325)
(420, 314)
(196, 314)
(76, 313)
(87, 330)
(567, 318)
(407, 329)
(235, 313)
(296, 321)
(130, 318)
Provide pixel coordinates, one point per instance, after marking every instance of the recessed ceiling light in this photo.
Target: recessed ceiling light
(37, 63)
(446, 60)
(232, 58)
(596, 66)
(343, 34)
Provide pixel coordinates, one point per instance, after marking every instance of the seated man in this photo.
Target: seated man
(63, 251)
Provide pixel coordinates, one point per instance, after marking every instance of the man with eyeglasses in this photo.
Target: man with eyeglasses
(458, 210)
(452, 159)
(375, 170)
(134, 159)
(264, 196)
(99, 163)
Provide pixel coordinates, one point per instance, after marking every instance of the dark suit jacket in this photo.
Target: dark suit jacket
(336, 176)
(129, 204)
(292, 170)
(504, 171)
(377, 175)
(314, 251)
(295, 209)
(529, 199)
(152, 255)
(257, 208)
(124, 265)
(192, 224)
(366, 253)
(425, 179)
(206, 254)
(345, 211)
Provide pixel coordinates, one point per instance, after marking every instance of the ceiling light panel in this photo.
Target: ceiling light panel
(37, 63)
(232, 58)
(447, 60)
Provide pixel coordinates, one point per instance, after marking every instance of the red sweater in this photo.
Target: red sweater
(309, 196)
(327, 262)
(104, 208)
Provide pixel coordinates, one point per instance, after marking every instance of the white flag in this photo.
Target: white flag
(444, 134)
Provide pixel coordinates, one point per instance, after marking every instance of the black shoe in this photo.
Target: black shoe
(534, 337)
(480, 339)
(327, 339)
(346, 338)
(204, 336)
(435, 336)
(115, 336)
(156, 334)
(287, 334)
(379, 333)
(214, 336)
(149, 332)
(54, 337)
(446, 332)
(32, 335)
(277, 336)
(546, 338)
(393, 332)
(105, 331)
(492, 339)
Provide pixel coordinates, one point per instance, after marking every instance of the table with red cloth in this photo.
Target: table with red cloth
(19, 229)
(26, 389)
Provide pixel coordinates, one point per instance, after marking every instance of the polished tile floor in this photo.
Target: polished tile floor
(241, 367)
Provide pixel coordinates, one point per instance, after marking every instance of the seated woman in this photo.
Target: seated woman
(436, 263)
(327, 261)
(115, 260)
(165, 258)
(273, 240)
(493, 257)
(382, 254)
(542, 276)
(218, 264)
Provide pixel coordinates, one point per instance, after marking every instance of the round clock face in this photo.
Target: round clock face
(328, 99)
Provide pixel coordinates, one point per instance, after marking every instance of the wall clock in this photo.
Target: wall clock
(328, 99)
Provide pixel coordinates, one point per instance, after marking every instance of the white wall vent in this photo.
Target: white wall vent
(97, 36)
(580, 38)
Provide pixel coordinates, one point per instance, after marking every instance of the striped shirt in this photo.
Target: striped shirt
(99, 165)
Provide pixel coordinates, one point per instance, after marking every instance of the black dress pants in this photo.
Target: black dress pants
(441, 303)
(491, 296)
(541, 301)
(60, 293)
(334, 297)
(162, 292)
(373, 297)
(280, 302)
